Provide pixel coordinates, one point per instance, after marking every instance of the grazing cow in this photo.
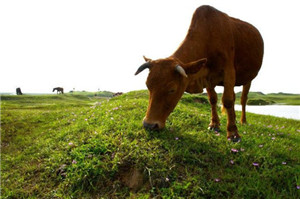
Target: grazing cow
(117, 94)
(58, 90)
(18, 91)
(218, 50)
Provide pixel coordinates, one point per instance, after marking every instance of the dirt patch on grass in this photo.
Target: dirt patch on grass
(132, 177)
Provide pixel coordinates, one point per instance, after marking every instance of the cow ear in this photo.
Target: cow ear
(195, 66)
(147, 59)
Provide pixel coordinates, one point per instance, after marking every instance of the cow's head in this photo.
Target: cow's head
(166, 82)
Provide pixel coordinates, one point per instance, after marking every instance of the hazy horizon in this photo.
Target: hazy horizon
(90, 91)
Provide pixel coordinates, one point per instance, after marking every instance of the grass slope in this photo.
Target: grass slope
(86, 147)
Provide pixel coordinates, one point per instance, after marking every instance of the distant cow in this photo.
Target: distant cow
(18, 91)
(58, 90)
(117, 94)
(218, 51)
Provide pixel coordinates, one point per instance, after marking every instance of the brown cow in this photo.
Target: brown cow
(117, 94)
(218, 51)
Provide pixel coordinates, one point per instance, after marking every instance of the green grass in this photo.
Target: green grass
(67, 146)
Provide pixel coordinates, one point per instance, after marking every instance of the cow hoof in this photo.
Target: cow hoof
(235, 139)
(215, 129)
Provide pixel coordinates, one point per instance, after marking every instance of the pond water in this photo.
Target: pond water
(286, 111)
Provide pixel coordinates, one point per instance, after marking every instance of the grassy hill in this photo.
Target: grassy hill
(257, 98)
(68, 146)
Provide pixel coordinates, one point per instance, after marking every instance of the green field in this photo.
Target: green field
(86, 146)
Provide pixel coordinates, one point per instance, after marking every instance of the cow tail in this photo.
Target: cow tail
(223, 110)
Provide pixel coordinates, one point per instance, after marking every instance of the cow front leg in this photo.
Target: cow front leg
(213, 99)
(228, 103)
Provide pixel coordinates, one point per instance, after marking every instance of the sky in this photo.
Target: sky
(98, 45)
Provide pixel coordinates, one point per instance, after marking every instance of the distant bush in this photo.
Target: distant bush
(92, 94)
(259, 102)
(105, 94)
(195, 99)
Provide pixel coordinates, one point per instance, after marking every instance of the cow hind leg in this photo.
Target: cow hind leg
(244, 98)
(213, 99)
(228, 103)
(228, 100)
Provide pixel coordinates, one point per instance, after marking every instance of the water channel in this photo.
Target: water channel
(286, 111)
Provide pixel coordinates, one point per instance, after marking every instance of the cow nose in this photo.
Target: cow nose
(154, 126)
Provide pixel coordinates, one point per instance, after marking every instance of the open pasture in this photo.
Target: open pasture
(66, 146)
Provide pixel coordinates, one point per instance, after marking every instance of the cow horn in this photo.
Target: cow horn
(142, 67)
(180, 70)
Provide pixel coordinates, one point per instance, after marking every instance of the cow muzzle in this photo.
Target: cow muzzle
(152, 125)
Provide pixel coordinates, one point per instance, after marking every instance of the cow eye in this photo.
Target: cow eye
(172, 91)
(172, 88)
